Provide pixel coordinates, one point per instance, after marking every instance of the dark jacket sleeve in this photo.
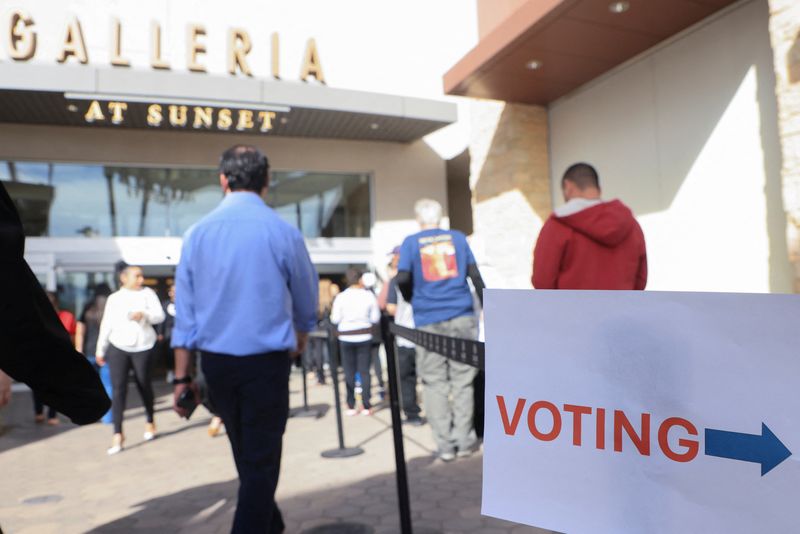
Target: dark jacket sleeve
(477, 281)
(405, 283)
(34, 347)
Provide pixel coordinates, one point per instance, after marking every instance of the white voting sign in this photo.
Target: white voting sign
(632, 412)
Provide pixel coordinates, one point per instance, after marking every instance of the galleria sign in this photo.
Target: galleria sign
(22, 42)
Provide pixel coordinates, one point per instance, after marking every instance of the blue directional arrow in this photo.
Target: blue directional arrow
(765, 449)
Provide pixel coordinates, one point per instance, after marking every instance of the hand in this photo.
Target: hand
(5, 389)
(136, 316)
(100, 360)
(302, 341)
(176, 394)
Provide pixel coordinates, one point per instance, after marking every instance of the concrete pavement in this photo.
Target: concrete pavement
(60, 480)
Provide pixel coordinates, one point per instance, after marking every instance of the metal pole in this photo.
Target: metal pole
(305, 411)
(397, 430)
(342, 451)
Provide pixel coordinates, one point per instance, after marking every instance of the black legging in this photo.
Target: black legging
(119, 364)
(38, 407)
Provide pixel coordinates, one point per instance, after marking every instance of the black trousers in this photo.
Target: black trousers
(356, 357)
(251, 394)
(120, 363)
(407, 369)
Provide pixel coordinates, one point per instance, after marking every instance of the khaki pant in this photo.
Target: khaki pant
(447, 388)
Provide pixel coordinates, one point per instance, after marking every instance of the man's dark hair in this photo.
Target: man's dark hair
(353, 275)
(245, 167)
(583, 175)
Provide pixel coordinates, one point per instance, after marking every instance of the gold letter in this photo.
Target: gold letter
(311, 63)
(74, 45)
(224, 120)
(21, 41)
(245, 120)
(154, 116)
(116, 45)
(203, 117)
(117, 108)
(194, 48)
(266, 120)
(276, 58)
(155, 48)
(237, 55)
(177, 115)
(94, 113)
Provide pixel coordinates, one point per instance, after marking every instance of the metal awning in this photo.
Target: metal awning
(62, 95)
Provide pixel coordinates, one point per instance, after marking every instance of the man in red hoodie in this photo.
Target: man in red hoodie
(589, 243)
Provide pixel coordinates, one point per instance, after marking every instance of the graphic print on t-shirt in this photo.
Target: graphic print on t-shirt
(438, 257)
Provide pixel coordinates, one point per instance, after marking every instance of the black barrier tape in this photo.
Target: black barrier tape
(470, 352)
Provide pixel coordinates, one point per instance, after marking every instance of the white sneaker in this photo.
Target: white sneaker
(447, 456)
(351, 411)
(116, 445)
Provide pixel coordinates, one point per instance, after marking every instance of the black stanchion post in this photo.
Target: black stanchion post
(397, 431)
(342, 451)
(305, 411)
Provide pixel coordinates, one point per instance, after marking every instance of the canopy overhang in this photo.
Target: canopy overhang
(548, 48)
(78, 95)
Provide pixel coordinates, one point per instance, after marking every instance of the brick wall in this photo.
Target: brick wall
(785, 36)
(509, 173)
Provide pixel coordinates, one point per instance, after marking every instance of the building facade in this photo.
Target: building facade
(687, 108)
(113, 116)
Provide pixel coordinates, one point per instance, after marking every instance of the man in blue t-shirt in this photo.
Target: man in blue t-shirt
(432, 274)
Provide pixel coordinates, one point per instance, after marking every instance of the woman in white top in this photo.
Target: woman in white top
(126, 341)
(355, 310)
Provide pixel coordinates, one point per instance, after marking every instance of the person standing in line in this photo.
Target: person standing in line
(241, 262)
(164, 331)
(355, 311)
(432, 275)
(368, 280)
(88, 330)
(589, 243)
(126, 340)
(403, 314)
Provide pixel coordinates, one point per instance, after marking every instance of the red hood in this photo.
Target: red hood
(608, 223)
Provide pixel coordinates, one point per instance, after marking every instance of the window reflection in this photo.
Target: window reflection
(69, 200)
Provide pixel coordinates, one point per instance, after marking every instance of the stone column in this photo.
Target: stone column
(784, 28)
(510, 182)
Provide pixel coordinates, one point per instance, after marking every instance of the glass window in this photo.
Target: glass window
(92, 200)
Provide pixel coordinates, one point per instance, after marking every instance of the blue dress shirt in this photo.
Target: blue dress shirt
(245, 281)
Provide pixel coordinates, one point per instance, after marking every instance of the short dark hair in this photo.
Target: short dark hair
(353, 275)
(583, 175)
(245, 167)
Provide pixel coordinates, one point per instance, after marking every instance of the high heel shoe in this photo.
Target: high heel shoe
(116, 444)
(149, 431)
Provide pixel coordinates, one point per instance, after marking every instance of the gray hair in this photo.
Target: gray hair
(428, 211)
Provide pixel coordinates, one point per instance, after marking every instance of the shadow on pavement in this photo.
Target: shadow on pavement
(199, 509)
(444, 498)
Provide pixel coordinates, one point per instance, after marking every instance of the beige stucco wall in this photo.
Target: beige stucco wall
(687, 135)
(402, 173)
(785, 34)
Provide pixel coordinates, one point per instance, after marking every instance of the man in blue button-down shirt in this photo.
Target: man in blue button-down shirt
(246, 298)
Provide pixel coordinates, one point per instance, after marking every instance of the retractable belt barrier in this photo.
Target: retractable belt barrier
(466, 351)
(470, 352)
